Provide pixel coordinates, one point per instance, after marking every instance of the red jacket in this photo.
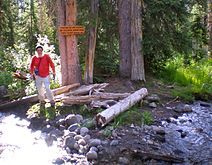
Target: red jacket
(42, 64)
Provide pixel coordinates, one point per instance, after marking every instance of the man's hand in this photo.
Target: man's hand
(32, 76)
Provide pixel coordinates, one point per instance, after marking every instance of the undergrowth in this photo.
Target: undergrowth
(194, 80)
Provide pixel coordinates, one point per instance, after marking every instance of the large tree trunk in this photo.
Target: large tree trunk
(109, 114)
(210, 28)
(137, 61)
(74, 73)
(62, 42)
(89, 59)
(124, 37)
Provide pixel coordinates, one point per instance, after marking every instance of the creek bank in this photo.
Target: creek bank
(182, 139)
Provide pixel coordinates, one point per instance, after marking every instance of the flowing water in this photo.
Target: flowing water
(20, 145)
(189, 136)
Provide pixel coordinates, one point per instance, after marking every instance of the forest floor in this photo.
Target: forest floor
(137, 144)
(154, 86)
(129, 135)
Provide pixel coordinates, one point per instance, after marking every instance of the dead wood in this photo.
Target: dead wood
(147, 155)
(102, 104)
(87, 89)
(107, 115)
(34, 98)
(64, 89)
(115, 96)
(87, 99)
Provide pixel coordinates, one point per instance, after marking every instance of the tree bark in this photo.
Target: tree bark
(74, 73)
(87, 89)
(137, 61)
(89, 59)
(124, 37)
(62, 42)
(87, 99)
(109, 114)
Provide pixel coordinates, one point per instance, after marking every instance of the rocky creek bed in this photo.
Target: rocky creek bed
(182, 138)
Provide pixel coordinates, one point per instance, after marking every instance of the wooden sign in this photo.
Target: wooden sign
(71, 30)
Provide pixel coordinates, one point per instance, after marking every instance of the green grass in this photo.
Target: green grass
(133, 116)
(49, 112)
(195, 79)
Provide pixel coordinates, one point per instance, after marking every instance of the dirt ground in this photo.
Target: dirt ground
(154, 87)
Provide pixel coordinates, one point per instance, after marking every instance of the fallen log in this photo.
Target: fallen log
(107, 115)
(87, 99)
(87, 89)
(102, 104)
(65, 89)
(34, 98)
(147, 155)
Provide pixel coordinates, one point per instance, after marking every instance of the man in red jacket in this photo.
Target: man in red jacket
(39, 70)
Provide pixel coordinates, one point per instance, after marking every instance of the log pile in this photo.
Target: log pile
(34, 98)
(114, 103)
(92, 95)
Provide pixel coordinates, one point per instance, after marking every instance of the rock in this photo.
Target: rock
(71, 119)
(159, 130)
(60, 122)
(153, 98)
(91, 155)
(82, 142)
(73, 127)
(48, 128)
(49, 140)
(95, 142)
(79, 118)
(58, 161)
(183, 134)
(69, 142)
(84, 131)
(87, 138)
(153, 105)
(183, 109)
(56, 132)
(78, 137)
(123, 160)
(114, 143)
(94, 149)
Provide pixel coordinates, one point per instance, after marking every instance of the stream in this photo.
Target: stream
(188, 136)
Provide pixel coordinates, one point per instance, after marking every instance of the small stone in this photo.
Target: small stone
(114, 142)
(91, 155)
(123, 160)
(153, 105)
(58, 161)
(82, 142)
(95, 142)
(84, 131)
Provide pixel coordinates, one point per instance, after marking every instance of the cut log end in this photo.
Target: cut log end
(100, 120)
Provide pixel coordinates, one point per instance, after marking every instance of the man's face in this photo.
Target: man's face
(39, 51)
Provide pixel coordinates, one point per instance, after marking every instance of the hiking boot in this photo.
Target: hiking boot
(42, 104)
(52, 104)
